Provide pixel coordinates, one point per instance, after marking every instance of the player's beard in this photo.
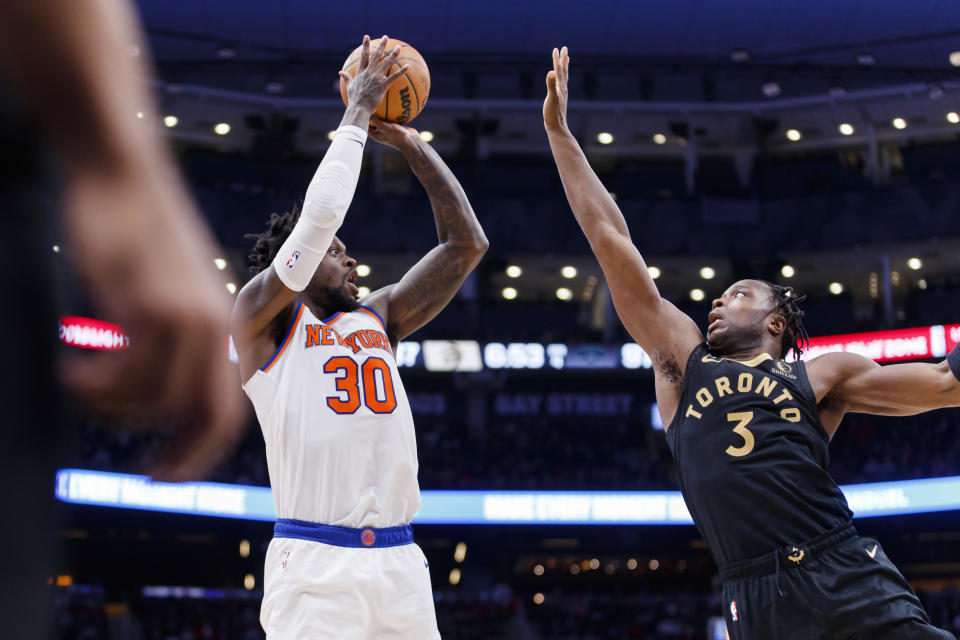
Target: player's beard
(338, 301)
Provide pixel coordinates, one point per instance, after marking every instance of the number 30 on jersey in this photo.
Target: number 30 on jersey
(370, 384)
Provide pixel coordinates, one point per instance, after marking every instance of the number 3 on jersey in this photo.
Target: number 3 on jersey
(353, 380)
(742, 418)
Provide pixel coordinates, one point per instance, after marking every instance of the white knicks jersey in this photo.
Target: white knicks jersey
(341, 448)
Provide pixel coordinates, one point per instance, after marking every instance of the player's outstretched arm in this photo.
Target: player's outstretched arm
(666, 333)
(847, 382)
(273, 291)
(431, 283)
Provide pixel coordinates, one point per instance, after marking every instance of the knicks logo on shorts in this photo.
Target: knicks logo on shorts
(293, 259)
(368, 537)
(733, 611)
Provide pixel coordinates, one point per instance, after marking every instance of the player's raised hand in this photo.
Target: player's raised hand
(392, 134)
(555, 104)
(367, 89)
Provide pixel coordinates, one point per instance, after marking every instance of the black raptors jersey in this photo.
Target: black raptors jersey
(752, 456)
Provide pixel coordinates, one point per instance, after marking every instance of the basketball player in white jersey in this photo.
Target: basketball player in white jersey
(320, 371)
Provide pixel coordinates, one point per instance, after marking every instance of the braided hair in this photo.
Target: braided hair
(786, 302)
(267, 244)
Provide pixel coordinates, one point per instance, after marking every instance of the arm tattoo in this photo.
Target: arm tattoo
(433, 281)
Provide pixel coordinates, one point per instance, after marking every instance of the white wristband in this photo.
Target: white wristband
(324, 207)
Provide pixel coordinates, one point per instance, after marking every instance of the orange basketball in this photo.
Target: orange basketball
(407, 95)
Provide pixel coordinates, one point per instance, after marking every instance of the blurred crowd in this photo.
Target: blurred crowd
(497, 613)
(563, 452)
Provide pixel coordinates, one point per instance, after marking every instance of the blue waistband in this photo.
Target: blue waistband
(344, 536)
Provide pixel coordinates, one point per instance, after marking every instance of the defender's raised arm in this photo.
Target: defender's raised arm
(666, 333)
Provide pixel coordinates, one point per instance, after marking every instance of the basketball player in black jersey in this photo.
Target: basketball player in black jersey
(749, 432)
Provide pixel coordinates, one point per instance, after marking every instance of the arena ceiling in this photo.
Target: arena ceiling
(919, 34)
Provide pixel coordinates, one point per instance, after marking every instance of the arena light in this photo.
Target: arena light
(770, 89)
(363, 270)
(56, 248)
(460, 552)
(953, 117)
(836, 288)
(659, 138)
(846, 129)
(426, 136)
(654, 271)
(331, 134)
(564, 294)
(455, 576)
(707, 273)
(538, 570)
(793, 135)
(915, 263)
(170, 121)
(363, 292)
(220, 263)
(513, 271)
(787, 271)
(538, 598)
(232, 287)
(654, 564)
(509, 293)
(568, 272)
(140, 115)
(244, 549)
(899, 123)
(922, 283)
(697, 295)
(249, 582)
(605, 137)
(955, 58)
(221, 128)
(632, 564)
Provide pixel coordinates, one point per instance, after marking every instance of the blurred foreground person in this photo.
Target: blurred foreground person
(74, 154)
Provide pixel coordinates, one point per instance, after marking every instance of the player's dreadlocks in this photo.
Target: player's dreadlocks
(786, 303)
(268, 243)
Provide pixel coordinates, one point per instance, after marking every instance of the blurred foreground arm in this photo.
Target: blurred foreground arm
(136, 238)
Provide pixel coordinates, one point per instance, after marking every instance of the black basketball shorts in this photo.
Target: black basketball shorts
(838, 586)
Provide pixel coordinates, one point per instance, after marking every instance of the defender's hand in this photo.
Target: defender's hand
(367, 89)
(392, 134)
(555, 105)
